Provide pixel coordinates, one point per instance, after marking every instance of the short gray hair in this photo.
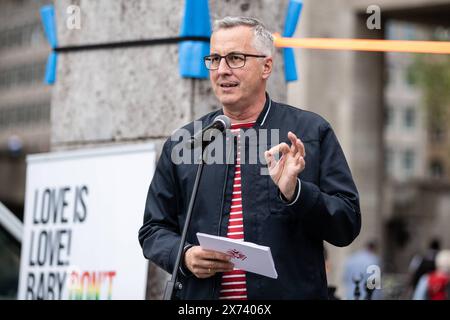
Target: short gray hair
(263, 39)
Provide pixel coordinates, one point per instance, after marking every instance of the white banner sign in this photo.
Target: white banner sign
(83, 210)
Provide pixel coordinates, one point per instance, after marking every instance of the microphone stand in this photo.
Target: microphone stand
(173, 284)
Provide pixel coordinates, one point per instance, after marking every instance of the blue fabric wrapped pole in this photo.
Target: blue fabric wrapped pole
(50, 70)
(292, 16)
(196, 22)
(48, 22)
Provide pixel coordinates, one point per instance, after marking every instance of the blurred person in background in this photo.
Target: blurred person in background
(423, 264)
(436, 284)
(357, 272)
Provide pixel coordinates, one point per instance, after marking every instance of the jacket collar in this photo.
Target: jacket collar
(262, 118)
(265, 112)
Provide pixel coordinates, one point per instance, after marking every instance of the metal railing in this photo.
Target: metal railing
(11, 223)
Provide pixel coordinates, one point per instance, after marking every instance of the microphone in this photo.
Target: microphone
(220, 123)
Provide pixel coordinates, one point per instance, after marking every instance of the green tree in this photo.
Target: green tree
(431, 73)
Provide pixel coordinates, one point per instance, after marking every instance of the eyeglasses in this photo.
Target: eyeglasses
(233, 60)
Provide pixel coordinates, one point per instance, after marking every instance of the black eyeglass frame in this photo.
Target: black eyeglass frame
(229, 54)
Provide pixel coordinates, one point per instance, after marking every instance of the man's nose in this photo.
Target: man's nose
(223, 67)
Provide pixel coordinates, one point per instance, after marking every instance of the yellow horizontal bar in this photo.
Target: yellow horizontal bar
(437, 47)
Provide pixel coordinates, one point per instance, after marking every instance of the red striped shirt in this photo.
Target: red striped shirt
(234, 285)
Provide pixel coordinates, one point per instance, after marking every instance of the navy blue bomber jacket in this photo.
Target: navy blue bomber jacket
(327, 209)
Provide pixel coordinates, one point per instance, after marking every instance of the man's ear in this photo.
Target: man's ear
(267, 67)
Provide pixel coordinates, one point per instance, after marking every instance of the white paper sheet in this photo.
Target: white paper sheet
(247, 256)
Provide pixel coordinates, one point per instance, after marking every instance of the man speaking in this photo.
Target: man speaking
(308, 196)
